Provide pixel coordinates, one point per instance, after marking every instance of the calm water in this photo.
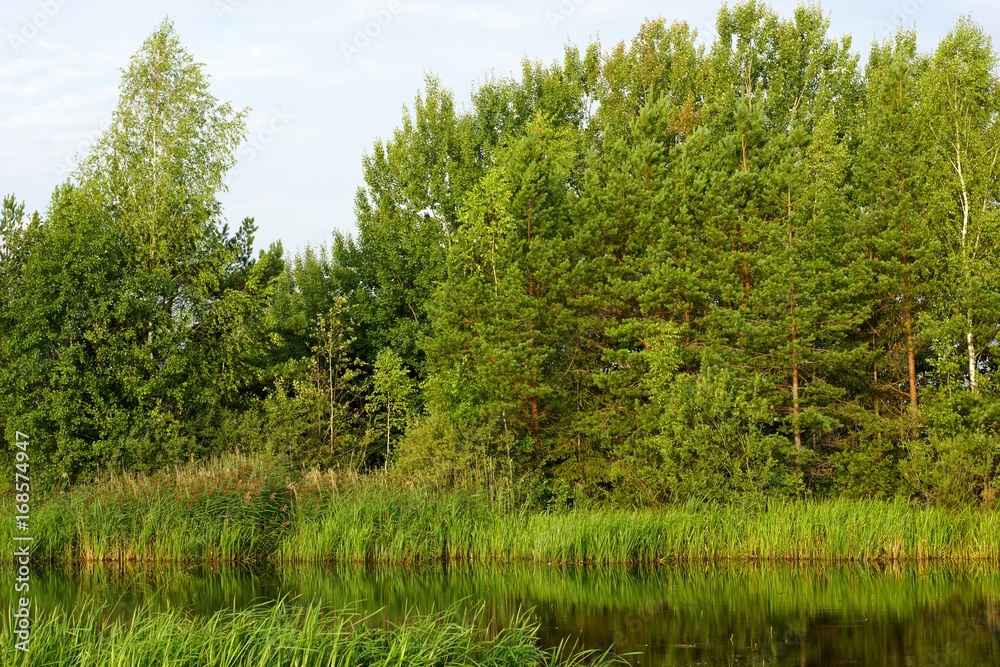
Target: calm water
(735, 615)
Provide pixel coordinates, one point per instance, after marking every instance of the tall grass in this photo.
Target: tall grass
(385, 525)
(244, 508)
(278, 635)
(230, 509)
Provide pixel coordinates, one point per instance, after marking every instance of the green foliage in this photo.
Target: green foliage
(406, 218)
(748, 270)
(868, 469)
(956, 470)
(391, 400)
(311, 414)
(891, 171)
(713, 441)
(960, 93)
(434, 448)
(136, 321)
(303, 292)
(499, 355)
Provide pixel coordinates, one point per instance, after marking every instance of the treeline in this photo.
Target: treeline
(665, 271)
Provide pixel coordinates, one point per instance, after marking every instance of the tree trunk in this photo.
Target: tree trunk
(796, 408)
(911, 360)
(966, 270)
(536, 427)
(970, 345)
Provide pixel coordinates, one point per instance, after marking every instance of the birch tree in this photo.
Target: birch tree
(963, 99)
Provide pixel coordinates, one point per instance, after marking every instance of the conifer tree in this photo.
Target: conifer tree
(643, 256)
(806, 300)
(891, 174)
(502, 333)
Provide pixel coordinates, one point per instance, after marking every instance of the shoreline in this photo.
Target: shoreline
(244, 509)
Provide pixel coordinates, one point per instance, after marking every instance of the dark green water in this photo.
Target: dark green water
(733, 615)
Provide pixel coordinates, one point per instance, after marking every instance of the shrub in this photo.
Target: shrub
(955, 470)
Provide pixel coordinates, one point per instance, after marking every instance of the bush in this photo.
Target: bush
(714, 442)
(868, 469)
(956, 470)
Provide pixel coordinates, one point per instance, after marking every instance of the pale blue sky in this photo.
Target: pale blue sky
(316, 107)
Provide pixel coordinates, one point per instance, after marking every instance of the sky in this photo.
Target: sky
(324, 80)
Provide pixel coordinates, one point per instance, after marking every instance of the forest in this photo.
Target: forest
(645, 274)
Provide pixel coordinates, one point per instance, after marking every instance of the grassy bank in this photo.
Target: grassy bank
(393, 528)
(241, 509)
(279, 635)
(233, 509)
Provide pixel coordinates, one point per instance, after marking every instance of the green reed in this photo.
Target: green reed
(242, 508)
(231, 509)
(281, 634)
(411, 527)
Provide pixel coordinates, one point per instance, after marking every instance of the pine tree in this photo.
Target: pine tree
(639, 282)
(502, 341)
(806, 301)
(891, 171)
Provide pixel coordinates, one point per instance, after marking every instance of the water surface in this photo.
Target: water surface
(671, 615)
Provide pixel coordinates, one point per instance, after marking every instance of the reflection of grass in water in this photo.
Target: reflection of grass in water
(279, 634)
(678, 613)
(848, 590)
(126, 587)
(769, 589)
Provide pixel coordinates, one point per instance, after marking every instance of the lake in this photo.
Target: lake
(670, 615)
